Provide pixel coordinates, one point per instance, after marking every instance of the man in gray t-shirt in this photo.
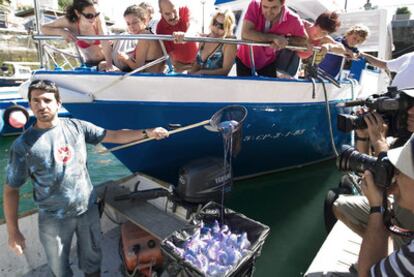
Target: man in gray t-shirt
(52, 153)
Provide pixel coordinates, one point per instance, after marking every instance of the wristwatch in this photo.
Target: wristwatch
(144, 132)
(377, 209)
(361, 138)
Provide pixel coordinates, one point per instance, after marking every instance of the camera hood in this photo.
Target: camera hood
(402, 158)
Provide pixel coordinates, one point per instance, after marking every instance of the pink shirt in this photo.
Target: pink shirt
(315, 42)
(288, 25)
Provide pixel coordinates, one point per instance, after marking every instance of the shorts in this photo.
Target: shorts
(356, 209)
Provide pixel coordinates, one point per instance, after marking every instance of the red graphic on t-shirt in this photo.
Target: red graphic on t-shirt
(64, 154)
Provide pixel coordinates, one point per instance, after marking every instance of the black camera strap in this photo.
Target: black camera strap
(389, 220)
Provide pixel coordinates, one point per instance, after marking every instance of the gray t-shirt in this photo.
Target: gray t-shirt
(55, 160)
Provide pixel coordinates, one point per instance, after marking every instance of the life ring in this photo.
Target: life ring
(15, 116)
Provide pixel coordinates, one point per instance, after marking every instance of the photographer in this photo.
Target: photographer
(353, 210)
(373, 259)
(403, 66)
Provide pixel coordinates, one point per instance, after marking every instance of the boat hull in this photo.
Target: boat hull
(286, 126)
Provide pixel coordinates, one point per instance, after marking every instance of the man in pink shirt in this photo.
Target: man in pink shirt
(268, 21)
(177, 22)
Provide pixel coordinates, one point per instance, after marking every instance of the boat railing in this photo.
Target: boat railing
(163, 38)
(50, 50)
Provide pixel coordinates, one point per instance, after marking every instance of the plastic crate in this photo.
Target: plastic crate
(237, 222)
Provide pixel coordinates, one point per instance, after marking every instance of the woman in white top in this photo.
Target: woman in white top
(146, 50)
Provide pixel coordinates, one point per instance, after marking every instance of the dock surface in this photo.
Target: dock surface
(337, 254)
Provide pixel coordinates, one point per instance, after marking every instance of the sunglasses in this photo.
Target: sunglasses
(90, 15)
(43, 84)
(218, 24)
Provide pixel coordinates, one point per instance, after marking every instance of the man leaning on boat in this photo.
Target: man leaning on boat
(268, 21)
(176, 21)
(53, 154)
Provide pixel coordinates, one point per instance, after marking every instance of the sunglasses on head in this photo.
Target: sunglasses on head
(90, 15)
(218, 24)
(43, 84)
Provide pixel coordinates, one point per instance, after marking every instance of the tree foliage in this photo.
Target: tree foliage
(63, 4)
(5, 2)
(403, 10)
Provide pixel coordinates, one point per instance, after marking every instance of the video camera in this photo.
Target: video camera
(392, 106)
(381, 168)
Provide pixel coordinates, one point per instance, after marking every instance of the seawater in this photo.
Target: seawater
(289, 202)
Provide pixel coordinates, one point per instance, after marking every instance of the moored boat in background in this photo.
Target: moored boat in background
(15, 73)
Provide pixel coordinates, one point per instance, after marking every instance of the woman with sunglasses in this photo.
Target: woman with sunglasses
(145, 50)
(83, 18)
(217, 58)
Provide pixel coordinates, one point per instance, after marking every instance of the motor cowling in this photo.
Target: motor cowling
(203, 180)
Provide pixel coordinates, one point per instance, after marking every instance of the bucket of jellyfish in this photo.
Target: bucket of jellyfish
(215, 245)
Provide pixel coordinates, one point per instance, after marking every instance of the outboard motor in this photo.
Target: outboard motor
(202, 180)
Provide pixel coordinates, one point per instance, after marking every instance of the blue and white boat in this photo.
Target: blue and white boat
(287, 125)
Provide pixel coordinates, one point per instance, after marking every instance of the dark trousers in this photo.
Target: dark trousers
(268, 71)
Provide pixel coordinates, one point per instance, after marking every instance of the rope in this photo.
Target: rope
(123, 77)
(328, 113)
(314, 73)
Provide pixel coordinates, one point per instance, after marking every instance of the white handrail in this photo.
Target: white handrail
(171, 38)
(186, 39)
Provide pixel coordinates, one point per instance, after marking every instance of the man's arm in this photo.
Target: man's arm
(374, 245)
(249, 33)
(374, 60)
(10, 207)
(127, 136)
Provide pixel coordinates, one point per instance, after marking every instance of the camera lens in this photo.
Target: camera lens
(346, 122)
(381, 168)
(351, 160)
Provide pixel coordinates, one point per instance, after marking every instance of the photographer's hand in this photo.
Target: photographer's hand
(370, 190)
(362, 142)
(377, 131)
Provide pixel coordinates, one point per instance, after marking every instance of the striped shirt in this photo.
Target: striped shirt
(399, 263)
